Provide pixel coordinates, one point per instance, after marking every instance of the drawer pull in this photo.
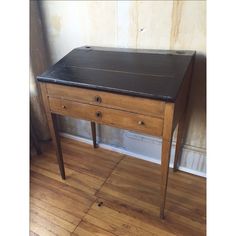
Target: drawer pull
(141, 122)
(98, 114)
(63, 106)
(98, 99)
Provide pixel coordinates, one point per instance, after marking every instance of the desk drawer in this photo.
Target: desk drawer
(111, 100)
(108, 116)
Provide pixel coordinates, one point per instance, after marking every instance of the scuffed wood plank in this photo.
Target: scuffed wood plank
(87, 229)
(52, 218)
(120, 224)
(43, 226)
(64, 214)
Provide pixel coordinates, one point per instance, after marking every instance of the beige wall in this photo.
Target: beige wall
(141, 24)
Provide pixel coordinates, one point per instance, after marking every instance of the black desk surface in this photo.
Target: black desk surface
(155, 74)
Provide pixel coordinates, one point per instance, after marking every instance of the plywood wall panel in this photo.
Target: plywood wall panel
(153, 24)
(188, 30)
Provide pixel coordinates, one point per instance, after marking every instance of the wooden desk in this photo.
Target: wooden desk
(145, 91)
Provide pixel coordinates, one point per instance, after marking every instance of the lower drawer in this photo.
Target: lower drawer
(117, 118)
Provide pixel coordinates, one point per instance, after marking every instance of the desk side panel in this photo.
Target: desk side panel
(183, 96)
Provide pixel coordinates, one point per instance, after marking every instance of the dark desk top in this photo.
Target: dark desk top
(155, 74)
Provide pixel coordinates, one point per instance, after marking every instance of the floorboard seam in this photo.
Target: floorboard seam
(85, 213)
(122, 157)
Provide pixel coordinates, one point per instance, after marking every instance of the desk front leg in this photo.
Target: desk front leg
(52, 124)
(57, 144)
(165, 154)
(165, 160)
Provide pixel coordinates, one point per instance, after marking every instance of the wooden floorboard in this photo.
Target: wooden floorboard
(107, 193)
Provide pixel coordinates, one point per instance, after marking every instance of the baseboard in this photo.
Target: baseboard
(129, 153)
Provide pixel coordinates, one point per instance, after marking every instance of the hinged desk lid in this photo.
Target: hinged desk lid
(155, 74)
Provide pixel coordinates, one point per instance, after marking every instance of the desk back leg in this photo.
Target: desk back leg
(179, 143)
(93, 130)
(52, 124)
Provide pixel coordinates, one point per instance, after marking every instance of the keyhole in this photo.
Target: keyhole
(98, 99)
(98, 114)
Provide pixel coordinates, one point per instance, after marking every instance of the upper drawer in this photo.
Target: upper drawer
(117, 118)
(123, 102)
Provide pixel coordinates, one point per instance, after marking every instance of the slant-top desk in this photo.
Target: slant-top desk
(145, 91)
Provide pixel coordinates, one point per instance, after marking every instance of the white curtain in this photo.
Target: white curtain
(38, 64)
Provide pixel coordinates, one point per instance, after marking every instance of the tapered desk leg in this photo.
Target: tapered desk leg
(52, 123)
(165, 159)
(57, 143)
(165, 154)
(93, 130)
(178, 148)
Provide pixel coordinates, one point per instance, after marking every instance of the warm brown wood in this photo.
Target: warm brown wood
(165, 160)
(52, 123)
(117, 118)
(93, 131)
(165, 153)
(110, 100)
(128, 188)
(58, 147)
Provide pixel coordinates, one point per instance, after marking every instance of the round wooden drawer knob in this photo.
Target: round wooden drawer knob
(98, 114)
(63, 106)
(141, 122)
(98, 99)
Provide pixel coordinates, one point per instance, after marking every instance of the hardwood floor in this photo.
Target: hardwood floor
(107, 193)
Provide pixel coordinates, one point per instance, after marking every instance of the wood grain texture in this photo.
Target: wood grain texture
(52, 123)
(165, 153)
(117, 118)
(127, 187)
(110, 100)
